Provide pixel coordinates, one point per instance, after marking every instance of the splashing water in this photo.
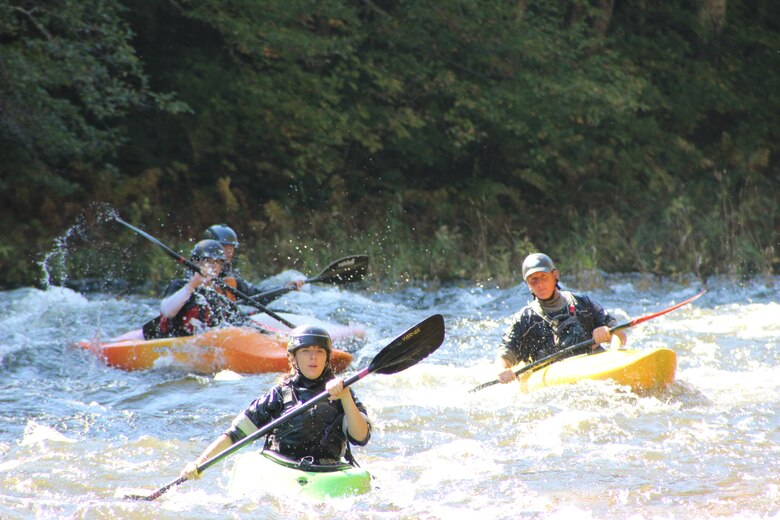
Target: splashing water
(75, 435)
(54, 264)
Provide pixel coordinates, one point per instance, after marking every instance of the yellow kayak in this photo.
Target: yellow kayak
(642, 370)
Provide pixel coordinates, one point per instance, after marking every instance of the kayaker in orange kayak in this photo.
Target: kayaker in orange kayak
(225, 235)
(554, 320)
(191, 305)
(320, 436)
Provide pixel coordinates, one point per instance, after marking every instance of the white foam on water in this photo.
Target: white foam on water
(227, 375)
(35, 434)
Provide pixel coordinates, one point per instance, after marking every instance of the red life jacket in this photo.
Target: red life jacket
(184, 323)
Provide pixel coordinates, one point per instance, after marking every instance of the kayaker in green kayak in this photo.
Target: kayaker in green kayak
(322, 435)
(554, 320)
(225, 235)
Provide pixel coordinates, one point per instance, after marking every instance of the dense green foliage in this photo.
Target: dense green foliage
(446, 139)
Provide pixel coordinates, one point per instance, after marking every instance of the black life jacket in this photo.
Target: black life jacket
(316, 435)
(568, 330)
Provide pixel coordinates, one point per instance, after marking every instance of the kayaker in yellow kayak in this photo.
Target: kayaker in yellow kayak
(320, 436)
(193, 305)
(225, 235)
(554, 320)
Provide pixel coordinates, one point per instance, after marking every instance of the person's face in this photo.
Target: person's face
(229, 251)
(210, 267)
(311, 361)
(542, 284)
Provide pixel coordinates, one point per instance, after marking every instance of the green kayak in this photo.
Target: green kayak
(256, 473)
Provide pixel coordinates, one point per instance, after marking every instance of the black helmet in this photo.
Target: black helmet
(223, 234)
(307, 335)
(207, 249)
(535, 263)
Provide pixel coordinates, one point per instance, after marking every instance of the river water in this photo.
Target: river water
(75, 435)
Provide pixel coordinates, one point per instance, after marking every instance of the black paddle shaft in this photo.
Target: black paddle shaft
(179, 258)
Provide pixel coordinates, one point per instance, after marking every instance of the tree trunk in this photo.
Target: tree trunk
(712, 19)
(598, 21)
(522, 5)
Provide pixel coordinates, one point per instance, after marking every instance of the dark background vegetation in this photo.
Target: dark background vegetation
(447, 139)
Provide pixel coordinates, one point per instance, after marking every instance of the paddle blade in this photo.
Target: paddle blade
(411, 347)
(344, 270)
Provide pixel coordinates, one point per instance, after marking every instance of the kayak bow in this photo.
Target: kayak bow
(256, 473)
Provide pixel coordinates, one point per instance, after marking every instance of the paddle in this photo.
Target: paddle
(582, 347)
(176, 256)
(344, 270)
(405, 351)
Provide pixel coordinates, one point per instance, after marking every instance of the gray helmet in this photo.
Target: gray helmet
(207, 249)
(223, 234)
(308, 335)
(537, 262)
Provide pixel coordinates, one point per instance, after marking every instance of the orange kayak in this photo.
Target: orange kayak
(239, 349)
